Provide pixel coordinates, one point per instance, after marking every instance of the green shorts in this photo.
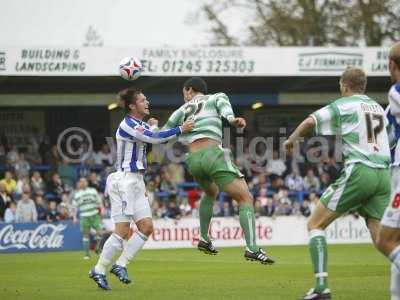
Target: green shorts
(88, 223)
(359, 188)
(213, 164)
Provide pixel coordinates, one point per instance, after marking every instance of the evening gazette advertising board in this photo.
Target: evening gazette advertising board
(201, 61)
(226, 232)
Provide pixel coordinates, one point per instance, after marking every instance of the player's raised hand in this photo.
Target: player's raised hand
(187, 126)
(239, 123)
(288, 145)
(153, 122)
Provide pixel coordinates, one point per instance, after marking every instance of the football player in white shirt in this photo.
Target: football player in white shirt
(127, 190)
(389, 234)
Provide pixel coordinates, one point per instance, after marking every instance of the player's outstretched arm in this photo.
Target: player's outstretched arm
(154, 137)
(305, 128)
(323, 122)
(225, 111)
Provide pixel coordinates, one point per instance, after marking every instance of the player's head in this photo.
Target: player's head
(353, 81)
(135, 103)
(394, 62)
(192, 87)
(82, 183)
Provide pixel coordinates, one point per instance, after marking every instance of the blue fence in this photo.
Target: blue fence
(40, 237)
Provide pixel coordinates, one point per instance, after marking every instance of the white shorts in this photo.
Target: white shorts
(391, 217)
(128, 197)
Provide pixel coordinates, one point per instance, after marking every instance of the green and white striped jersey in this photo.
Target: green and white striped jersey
(361, 124)
(87, 201)
(206, 111)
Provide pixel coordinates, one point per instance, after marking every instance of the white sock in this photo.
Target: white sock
(111, 247)
(395, 257)
(395, 283)
(131, 248)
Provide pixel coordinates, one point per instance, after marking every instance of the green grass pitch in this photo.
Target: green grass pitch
(356, 272)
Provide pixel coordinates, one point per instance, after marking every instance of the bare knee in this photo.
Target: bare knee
(382, 245)
(247, 198)
(212, 192)
(312, 225)
(385, 242)
(145, 227)
(317, 223)
(239, 191)
(244, 196)
(122, 230)
(321, 218)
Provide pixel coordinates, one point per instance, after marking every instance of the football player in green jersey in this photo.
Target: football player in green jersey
(364, 185)
(211, 165)
(88, 202)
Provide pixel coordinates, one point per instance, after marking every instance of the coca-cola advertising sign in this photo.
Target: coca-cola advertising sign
(41, 236)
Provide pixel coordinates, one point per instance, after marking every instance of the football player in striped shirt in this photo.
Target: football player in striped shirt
(211, 165)
(389, 234)
(126, 188)
(364, 185)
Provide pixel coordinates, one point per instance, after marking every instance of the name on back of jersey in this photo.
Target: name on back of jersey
(374, 108)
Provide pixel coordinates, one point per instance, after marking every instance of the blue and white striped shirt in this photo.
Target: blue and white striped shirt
(132, 136)
(393, 115)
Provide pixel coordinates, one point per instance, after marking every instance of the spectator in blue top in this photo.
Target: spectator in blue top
(67, 173)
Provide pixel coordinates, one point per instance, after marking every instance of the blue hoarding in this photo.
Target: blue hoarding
(40, 237)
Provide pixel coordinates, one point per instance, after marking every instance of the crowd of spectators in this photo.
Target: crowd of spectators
(38, 184)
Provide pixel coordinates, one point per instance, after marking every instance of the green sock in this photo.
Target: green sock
(205, 214)
(98, 240)
(248, 224)
(86, 246)
(319, 258)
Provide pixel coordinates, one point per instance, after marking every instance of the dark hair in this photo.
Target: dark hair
(355, 79)
(129, 96)
(397, 61)
(197, 84)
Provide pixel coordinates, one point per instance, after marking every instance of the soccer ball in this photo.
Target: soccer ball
(130, 68)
